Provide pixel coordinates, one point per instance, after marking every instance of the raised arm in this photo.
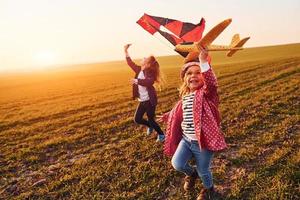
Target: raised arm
(210, 80)
(136, 68)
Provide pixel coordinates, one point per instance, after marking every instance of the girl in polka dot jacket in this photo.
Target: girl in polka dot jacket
(193, 125)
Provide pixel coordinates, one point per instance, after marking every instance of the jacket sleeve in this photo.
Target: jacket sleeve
(136, 68)
(146, 82)
(210, 83)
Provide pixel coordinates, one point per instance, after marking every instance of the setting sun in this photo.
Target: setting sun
(45, 59)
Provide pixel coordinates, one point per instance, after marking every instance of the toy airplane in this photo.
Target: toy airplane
(193, 49)
(187, 37)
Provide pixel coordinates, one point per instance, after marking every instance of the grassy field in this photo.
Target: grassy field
(69, 134)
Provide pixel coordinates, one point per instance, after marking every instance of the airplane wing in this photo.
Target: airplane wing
(213, 33)
(208, 39)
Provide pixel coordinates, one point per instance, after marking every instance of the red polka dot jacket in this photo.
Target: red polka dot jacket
(206, 119)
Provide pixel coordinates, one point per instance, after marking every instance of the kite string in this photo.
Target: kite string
(163, 42)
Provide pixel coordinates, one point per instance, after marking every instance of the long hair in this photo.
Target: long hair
(184, 89)
(154, 70)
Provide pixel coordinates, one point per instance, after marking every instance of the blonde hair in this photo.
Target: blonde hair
(184, 89)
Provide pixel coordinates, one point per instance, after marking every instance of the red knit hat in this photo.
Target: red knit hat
(186, 66)
(189, 64)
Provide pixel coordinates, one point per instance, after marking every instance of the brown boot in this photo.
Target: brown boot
(189, 181)
(209, 194)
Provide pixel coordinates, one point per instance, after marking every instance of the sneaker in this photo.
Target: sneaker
(160, 138)
(189, 181)
(149, 130)
(210, 193)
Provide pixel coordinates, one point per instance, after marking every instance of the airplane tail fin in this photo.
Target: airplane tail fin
(236, 43)
(235, 40)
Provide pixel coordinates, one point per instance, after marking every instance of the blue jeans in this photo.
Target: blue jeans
(184, 152)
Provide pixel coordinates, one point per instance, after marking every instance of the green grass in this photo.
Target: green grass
(70, 133)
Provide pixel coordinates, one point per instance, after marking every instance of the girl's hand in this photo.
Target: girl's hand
(133, 81)
(203, 55)
(163, 118)
(126, 46)
(160, 118)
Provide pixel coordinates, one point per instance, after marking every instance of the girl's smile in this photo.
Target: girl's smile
(193, 78)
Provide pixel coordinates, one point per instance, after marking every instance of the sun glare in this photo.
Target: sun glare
(45, 59)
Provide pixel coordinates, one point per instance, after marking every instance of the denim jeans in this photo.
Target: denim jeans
(184, 152)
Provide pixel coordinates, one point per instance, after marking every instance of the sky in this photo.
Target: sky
(36, 34)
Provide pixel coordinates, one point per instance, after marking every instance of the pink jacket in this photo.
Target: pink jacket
(206, 119)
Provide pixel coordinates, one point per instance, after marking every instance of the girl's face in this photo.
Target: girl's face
(193, 78)
(145, 63)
